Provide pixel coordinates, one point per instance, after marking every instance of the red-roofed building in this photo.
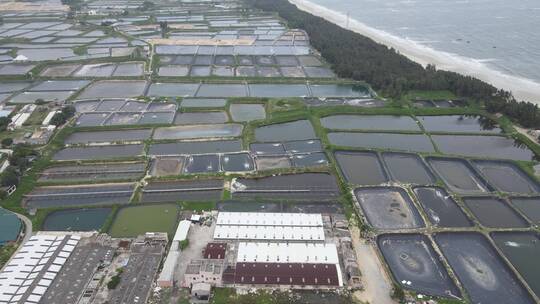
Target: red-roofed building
(297, 274)
(215, 251)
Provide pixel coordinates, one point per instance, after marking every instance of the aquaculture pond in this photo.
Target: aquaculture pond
(483, 146)
(529, 206)
(296, 130)
(247, 112)
(198, 131)
(413, 261)
(522, 249)
(193, 118)
(441, 209)
(370, 122)
(458, 175)
(136, 220)
(407, 168)
(193, 147)
(494, 212)
(403, 142)
(481, 271)
(99, 152)
(507, 177)
(76, 219)
(459, 124)
(388, 208)
(361, 168)
(10, 226)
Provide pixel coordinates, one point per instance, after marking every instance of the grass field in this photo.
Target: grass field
(135, 220)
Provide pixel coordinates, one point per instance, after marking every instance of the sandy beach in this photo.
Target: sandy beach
(522, 88)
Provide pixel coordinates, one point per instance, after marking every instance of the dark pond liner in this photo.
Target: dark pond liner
(407, 168)
(188, 190)
(195, 147)
(507, 177)
(529, 206)
(361, 168)
(471, 182)
(238, 162)
(81, 195)
(309, 160)
(99, 152)
(382, 209)
(267, 148)
(494, 212)
(202, 164)
(321, 186)
(440, 207)
(522, 249)
(411, 258)
(480, 269)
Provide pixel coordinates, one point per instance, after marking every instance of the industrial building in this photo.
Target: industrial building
(166, 276)
(31, 271)
(269, 226)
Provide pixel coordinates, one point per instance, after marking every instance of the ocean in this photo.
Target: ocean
(495, 40)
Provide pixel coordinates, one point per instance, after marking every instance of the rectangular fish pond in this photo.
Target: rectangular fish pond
(522, 249)
(479, 268)
(76, 219)
(458, 175)
(507, 177)
(400, 142)
(388, 208)
(132, 221)
(361, 168)
(411, 258)
(459, 124)
(370, 122)
(407, 168)
(441, 209)
(493, 212)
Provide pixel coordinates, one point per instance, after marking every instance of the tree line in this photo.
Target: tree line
(360, 58)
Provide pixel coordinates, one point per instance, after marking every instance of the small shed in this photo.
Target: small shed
(201, 291)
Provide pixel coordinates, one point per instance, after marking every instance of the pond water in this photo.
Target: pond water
(198, 131)
(194, 147)
(441, 209)
(76, 219)
(483, 146)
(404, 142)
(482, 272)
(412, 258)
(247, 112)
(507, 177)
(407, 168)
(388, 208)
(493, 212)
(529, 206)
(523, 250)
(459, 124)
(10, 226)
(296, 130)
(458, 175)
(193, 118)
(361, 168)
(370, 122)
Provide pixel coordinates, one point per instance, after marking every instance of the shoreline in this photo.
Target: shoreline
(521, 88)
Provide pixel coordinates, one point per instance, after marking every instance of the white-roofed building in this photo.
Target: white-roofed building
(28, 275)
(269, 226)
(312, 253)
(269, 219)
(182, 231)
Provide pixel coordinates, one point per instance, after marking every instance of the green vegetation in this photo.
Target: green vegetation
(115, 280)
(64, 115)
(135, 220)
(184, 244)
(229, 296)
(357, 57)
(6, 252)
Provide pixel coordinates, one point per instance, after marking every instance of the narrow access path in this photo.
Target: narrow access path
(377, 285)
